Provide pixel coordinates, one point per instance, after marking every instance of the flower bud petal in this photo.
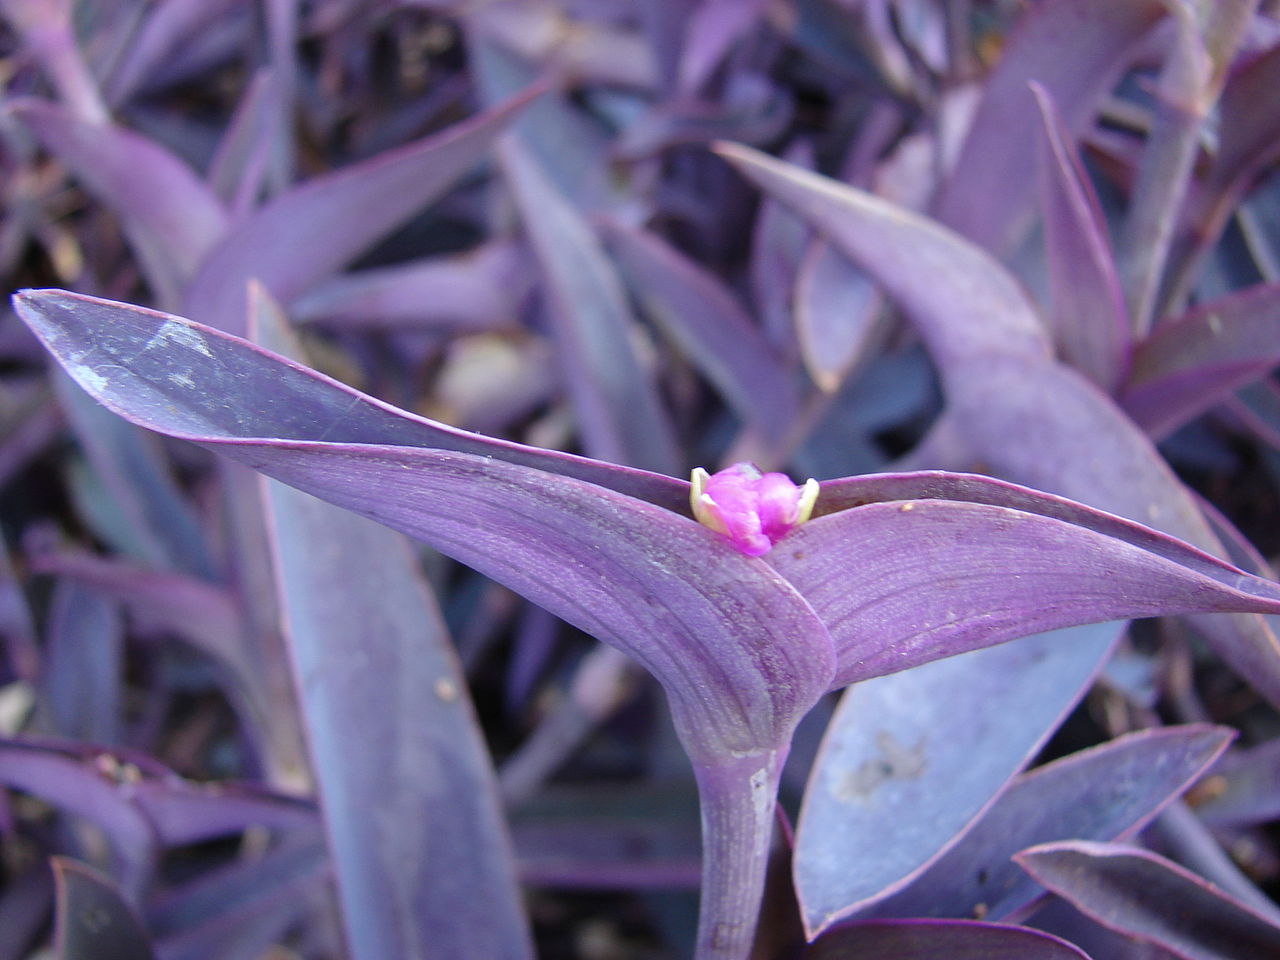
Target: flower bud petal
(752, 510)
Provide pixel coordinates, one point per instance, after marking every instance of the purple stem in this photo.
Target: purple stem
(738, 795)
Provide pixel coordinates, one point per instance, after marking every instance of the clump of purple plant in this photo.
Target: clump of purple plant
(497, 277)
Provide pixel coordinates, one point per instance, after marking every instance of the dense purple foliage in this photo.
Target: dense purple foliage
(1004, 277)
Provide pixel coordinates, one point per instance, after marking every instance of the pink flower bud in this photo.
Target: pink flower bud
(752, 510)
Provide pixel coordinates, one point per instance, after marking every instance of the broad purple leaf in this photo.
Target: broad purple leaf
(1140, 894)
(419, 846)
(1075, 49)
(1022, 415)
(84, 664)
(619, 413)
(708, 324)
(481, 289)
(898, 779)
(1098, 794)
(939, 940)
(883, 619)
(307, 233)
(522, 522)
(1088, 316)
(169, 215)
(1196, 360)
(306, 401)
(93, 919)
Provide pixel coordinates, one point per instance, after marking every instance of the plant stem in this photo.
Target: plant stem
(738, 795)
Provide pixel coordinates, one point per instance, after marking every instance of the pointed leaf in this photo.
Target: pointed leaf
(1098, 794)
(1075, 49)
(305, 234)
(93, 919)
(701, 315)
(653, 583)
(306, 401)
(992, 314)
(1088, 316)
(170, 216)
(928, 584)
(481, 289)
(1194, 361)
(1140, 894)
(1022, 415)
(939, 940)
(615, 399)
(898, 780)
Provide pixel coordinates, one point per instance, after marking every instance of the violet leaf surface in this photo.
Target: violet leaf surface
(1102, 793)
(1143, 895)
(939, 940)
(93, 920)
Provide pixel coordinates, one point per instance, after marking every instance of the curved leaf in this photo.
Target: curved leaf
(310, 231)
(1138, 893)
(93, 920)
(898, 780)
(939, 940)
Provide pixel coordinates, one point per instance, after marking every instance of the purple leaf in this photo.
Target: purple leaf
(1098, 794)
(241, 909)
(836, 309)
(163, 531)
(305, 234)
(739, 651)
(884, 620)
(1140, 894)
(1248, 142)
(985, 310)
(307, 401)
(481, 289)
(84, 786)
(939, 940)
(93, 920)
(1088, 318)
(169, 215)
(83, 666)
(618, 410)
(1196, 360)
(239, 168)
(898, 780)
(1244, 789)
(183, 812)
(697, 312)
(1075, 49)
(1022, 415)
(714, 27)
